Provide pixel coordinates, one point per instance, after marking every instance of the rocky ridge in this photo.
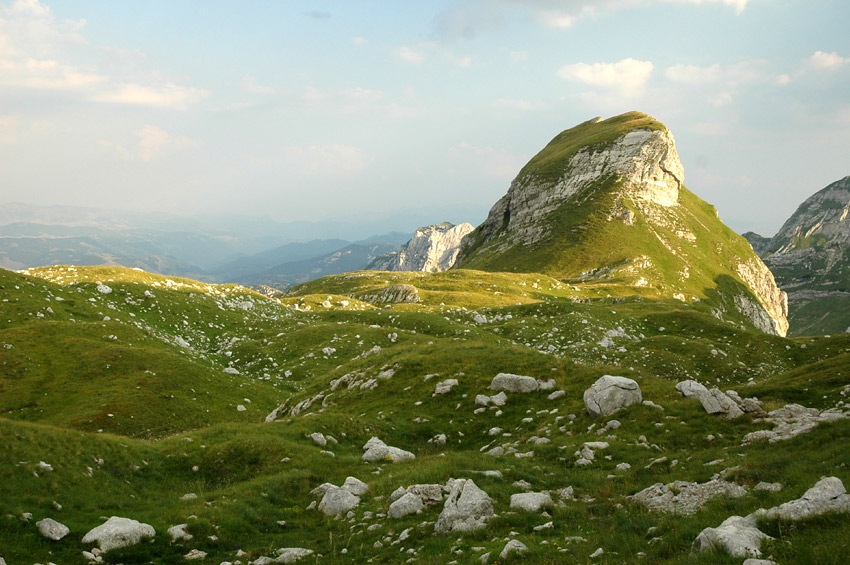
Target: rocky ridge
(432, 249)
(810, 258)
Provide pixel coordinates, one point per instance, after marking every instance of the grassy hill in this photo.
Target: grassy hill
(124, 393)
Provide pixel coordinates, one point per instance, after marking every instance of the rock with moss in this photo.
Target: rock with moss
(611, 393)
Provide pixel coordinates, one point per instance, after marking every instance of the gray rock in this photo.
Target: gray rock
(291, 554)
(431, 249)
(513, 546)
(319, 439)
(376, 450)
(467, 508)
(717, 403)
(770, 487)
(531, 501)
(429, 493)
(753, 561)
(51, 529)
(338, 501)
(195, 554)
(691, 389)
(118, 532)
(179, 532)
(793, 420)
(681, 497)
(828, 495)
(355, 486)
(444, 386)
(514, 383)
(609, 394)
(409, 503)
(736, 535)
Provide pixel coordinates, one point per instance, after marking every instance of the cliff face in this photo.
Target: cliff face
(431, 249)
(606, 201)
(810, 257)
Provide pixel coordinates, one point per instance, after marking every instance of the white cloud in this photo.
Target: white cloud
(783, 80)
(152, 142)
(523, 105)
(409, 55)
(693, 74)
(359, 40)
(330, 160)
(36, 53)
(167, 95)
(627, 76)
(822, 60)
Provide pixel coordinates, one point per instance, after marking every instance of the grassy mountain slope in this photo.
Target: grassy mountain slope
(175, 429)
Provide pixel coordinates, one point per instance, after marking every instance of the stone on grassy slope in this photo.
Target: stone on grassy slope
(609, 394)
(467, 508)
(691, 389)
(737, 536)
(407, 504)
(681, 497)
(531, 501)
(495, 400)
(444, 386)
(51, 529)
(717, 403)
(828, 495)
(513, 546)
(792, 420)
(338, 501)
(376, 450)
(514, 383)
(291, 554)
(179, 532)
(119, 532)
(355, 486)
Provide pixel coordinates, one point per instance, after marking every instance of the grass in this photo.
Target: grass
(180, 432)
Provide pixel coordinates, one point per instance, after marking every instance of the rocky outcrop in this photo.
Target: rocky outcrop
(467, 508)
(682, 497)
(395, 294)
(810, 258)
(772, 317)
(431, 249)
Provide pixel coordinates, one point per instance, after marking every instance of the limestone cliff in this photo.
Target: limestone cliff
(431, 249)
(810, 257)
(605, 201)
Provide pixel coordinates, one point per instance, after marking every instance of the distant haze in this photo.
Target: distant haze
(398, 114)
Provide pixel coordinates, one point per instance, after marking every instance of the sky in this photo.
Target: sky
(365, 110)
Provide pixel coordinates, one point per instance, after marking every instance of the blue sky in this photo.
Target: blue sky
(366, 110)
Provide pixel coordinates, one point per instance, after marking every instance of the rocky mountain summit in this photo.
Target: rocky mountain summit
(810, 258)
(431, 249)
(605, 201)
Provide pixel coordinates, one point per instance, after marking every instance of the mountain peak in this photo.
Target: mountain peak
(605, 201)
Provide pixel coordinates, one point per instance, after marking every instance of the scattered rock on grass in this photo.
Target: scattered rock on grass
(119, 532)
(609, 394)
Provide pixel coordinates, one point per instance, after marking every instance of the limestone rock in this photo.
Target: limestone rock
(376, 450)
(531, 501)
(513, 546)
(828, 495)
(409, 503)
(736, 535)
(119, 532)
(291, 554)
(691, 389)
(609, 394)
(179, 532)
(338, 501)
(467, 508)
(681, 497)
(51, 529)
(717, 403)
(194, 555)
(431, 249)
(319, 439)
(355, 486)
(792, 420)
(394, 294)
(514, 383)
(444, 386)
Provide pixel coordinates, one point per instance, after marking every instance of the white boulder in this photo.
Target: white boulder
(409, 503)
(514, 383)
(531, 501)
(467, 508)
(119, 532)
(338, 501)
(736, 535)
(376, 450)
(51, 529)
(609, 394)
